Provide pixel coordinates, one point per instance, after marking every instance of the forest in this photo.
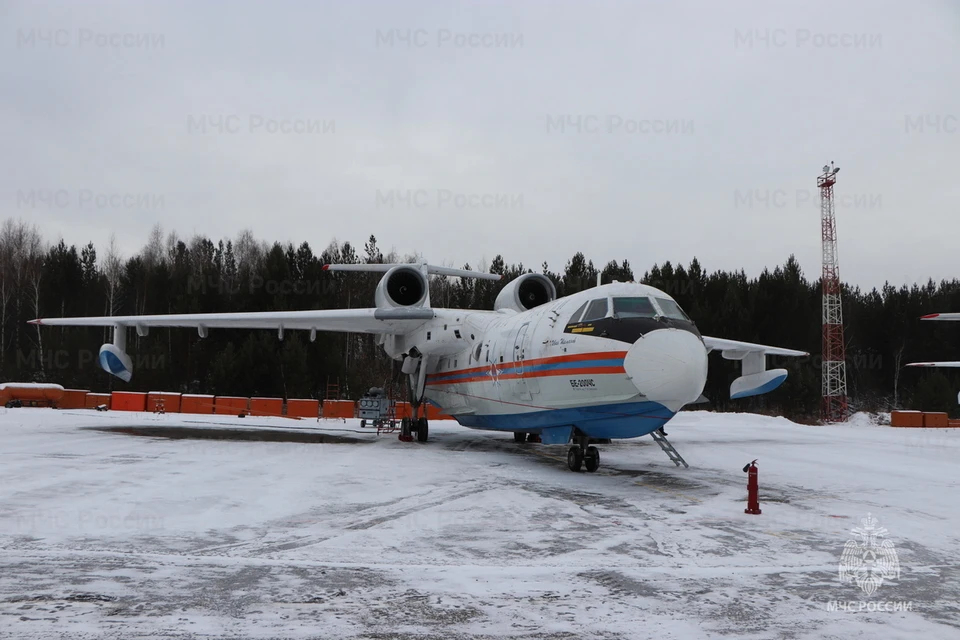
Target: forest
(40, 278)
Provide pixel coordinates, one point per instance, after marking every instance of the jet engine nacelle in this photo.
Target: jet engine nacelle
(403, 286)
(526, 292)
(115, 361)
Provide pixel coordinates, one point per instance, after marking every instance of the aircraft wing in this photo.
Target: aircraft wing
(941, 316)
(349, 320)
(734, 347)
(754, 378)
(934, 364)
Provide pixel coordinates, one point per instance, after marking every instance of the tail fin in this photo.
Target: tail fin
(426, 269)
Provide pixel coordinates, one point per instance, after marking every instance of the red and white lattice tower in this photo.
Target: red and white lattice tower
(834, 368)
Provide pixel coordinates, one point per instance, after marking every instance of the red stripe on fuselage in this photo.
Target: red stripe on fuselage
(579, 371)
(574, 357)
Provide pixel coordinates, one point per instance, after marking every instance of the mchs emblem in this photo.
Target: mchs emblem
(869, 561)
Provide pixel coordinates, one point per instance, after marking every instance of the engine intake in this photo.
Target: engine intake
(526, 292)
(402, 287)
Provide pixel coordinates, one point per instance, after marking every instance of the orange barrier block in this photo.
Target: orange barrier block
(303, 409)
(266, 406)
(953, 424)
(128, 401)
(170, 401)
(906, 418)
(73, 399)
(404, 410)
(230, 405)
(94, 400)
(338, 409)
(436, 413)
(190, 403)
(936, 419)
(34, 393)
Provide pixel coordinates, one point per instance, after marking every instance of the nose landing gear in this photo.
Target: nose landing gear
(582, 455)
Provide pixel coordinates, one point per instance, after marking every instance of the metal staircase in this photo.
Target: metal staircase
(672, 453)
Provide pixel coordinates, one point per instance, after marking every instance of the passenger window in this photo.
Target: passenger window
(575, 318)
(596, 310)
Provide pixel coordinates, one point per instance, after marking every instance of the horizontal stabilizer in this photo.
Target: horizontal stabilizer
(429, 268)
(941, 316)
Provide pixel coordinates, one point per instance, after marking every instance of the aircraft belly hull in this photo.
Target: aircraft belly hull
(616, 420)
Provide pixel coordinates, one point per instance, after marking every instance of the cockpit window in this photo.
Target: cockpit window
(575, 318)
(596, 311)
(672, 310)
(633, 308)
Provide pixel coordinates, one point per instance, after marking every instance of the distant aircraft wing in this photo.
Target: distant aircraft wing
(934, 364)
(735, 347)
(392, 321)
(755, 379)
(938, 316)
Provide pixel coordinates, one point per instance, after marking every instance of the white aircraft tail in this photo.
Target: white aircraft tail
(426, 269)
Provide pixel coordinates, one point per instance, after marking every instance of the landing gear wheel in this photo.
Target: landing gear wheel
(519, 436)
(574, 458)
(422, 430)
(591, 459)
(363, 424)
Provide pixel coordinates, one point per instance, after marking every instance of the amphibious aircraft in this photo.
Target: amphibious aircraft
(615, 361)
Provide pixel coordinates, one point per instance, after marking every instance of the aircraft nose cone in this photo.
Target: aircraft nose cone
(668, 366)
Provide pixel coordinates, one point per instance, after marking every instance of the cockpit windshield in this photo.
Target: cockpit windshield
(633, 308)
(672, 310)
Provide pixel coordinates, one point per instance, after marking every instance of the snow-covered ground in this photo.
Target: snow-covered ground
(110, 534)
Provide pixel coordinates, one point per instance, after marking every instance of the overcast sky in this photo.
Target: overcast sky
(649, 131)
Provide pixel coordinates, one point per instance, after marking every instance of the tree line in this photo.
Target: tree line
(199, 275)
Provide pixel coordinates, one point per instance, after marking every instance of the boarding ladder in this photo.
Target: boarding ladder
(668, 449)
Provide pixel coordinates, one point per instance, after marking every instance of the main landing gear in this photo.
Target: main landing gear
(419, 426)
(582, 455)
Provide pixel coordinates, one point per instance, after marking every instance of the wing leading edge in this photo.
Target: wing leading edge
(389, 321)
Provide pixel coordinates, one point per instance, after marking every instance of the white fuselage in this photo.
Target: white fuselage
(533, 370)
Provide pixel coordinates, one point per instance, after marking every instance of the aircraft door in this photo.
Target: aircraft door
(520, 348)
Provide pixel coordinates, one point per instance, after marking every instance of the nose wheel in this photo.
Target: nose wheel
(581, 455)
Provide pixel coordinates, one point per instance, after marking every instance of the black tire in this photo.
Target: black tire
(363, 424)
(519, 436)
(574, 459)
(405, 427)
(423, 431)
(592, 459)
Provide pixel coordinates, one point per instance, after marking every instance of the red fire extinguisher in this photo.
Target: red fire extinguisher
(753, 489)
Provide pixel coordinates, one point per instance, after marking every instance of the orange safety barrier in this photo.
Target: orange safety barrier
(73, 399)
(404, 410)
(190, 403)
(953, 424)
(170, 401)
(906, 418)
(94, 400)
(128, 401)
(266, 407)
(338, 409)
(31, 393)
(436, 413)
(230, 405)
(304, 408)
(936, 419)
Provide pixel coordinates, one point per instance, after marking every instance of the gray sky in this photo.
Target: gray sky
(649, 131)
